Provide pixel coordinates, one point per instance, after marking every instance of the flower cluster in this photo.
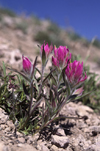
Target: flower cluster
(61, 56)
(47, 49)
(27, 66)
(74, 72)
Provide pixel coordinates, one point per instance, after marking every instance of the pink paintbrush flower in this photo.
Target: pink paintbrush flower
(61, 56)
(48, 49)
(27, 66)
(74, 72)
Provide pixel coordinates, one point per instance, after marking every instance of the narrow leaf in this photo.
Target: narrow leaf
(19, 73)
(24, 88)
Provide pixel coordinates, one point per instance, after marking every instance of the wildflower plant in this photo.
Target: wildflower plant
(39, 95)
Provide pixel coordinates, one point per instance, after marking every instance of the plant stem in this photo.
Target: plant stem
(31, 99)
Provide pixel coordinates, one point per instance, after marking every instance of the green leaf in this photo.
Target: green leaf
(34, 65)
(4, 69)
(2, 88)
(66, 81)
(38, 71)
(19, 73)
(24, 88)
(50, 74)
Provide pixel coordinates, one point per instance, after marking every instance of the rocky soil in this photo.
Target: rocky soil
(80, 133)
(67, 135)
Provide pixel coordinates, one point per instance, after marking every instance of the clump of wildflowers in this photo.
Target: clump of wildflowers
(46, 94)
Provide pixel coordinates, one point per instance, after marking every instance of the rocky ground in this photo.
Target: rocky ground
(66, 135)
(80, 133)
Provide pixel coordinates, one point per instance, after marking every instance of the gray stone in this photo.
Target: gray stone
(81, 141)
(95, 129)
(60, 141)
(54, 148)
(3, 147)
(21, 140)
(72, 108)
(96, 146)
(20, 145)
(30, 140)
(42, 146)
(7, 129)
(10, 124)
(26, 147)
(3, 126)
(61, 132)
(19, 134)
(83, 110)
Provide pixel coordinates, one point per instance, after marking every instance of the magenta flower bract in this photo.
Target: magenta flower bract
(74, 72)
(61, 56)
(47, 49)
(27, 66)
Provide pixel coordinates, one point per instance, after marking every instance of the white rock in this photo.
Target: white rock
(42, 146)
(10, 124)
(3, 147)
(81, 141)
(54, 148)
(83, 110)
(21, 140)
(60, 141)
(3, 126)
(94, 129)
(61, 132)
(25, 147)
(72, 108)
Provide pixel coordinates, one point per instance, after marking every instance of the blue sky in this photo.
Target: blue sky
(82, 15)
